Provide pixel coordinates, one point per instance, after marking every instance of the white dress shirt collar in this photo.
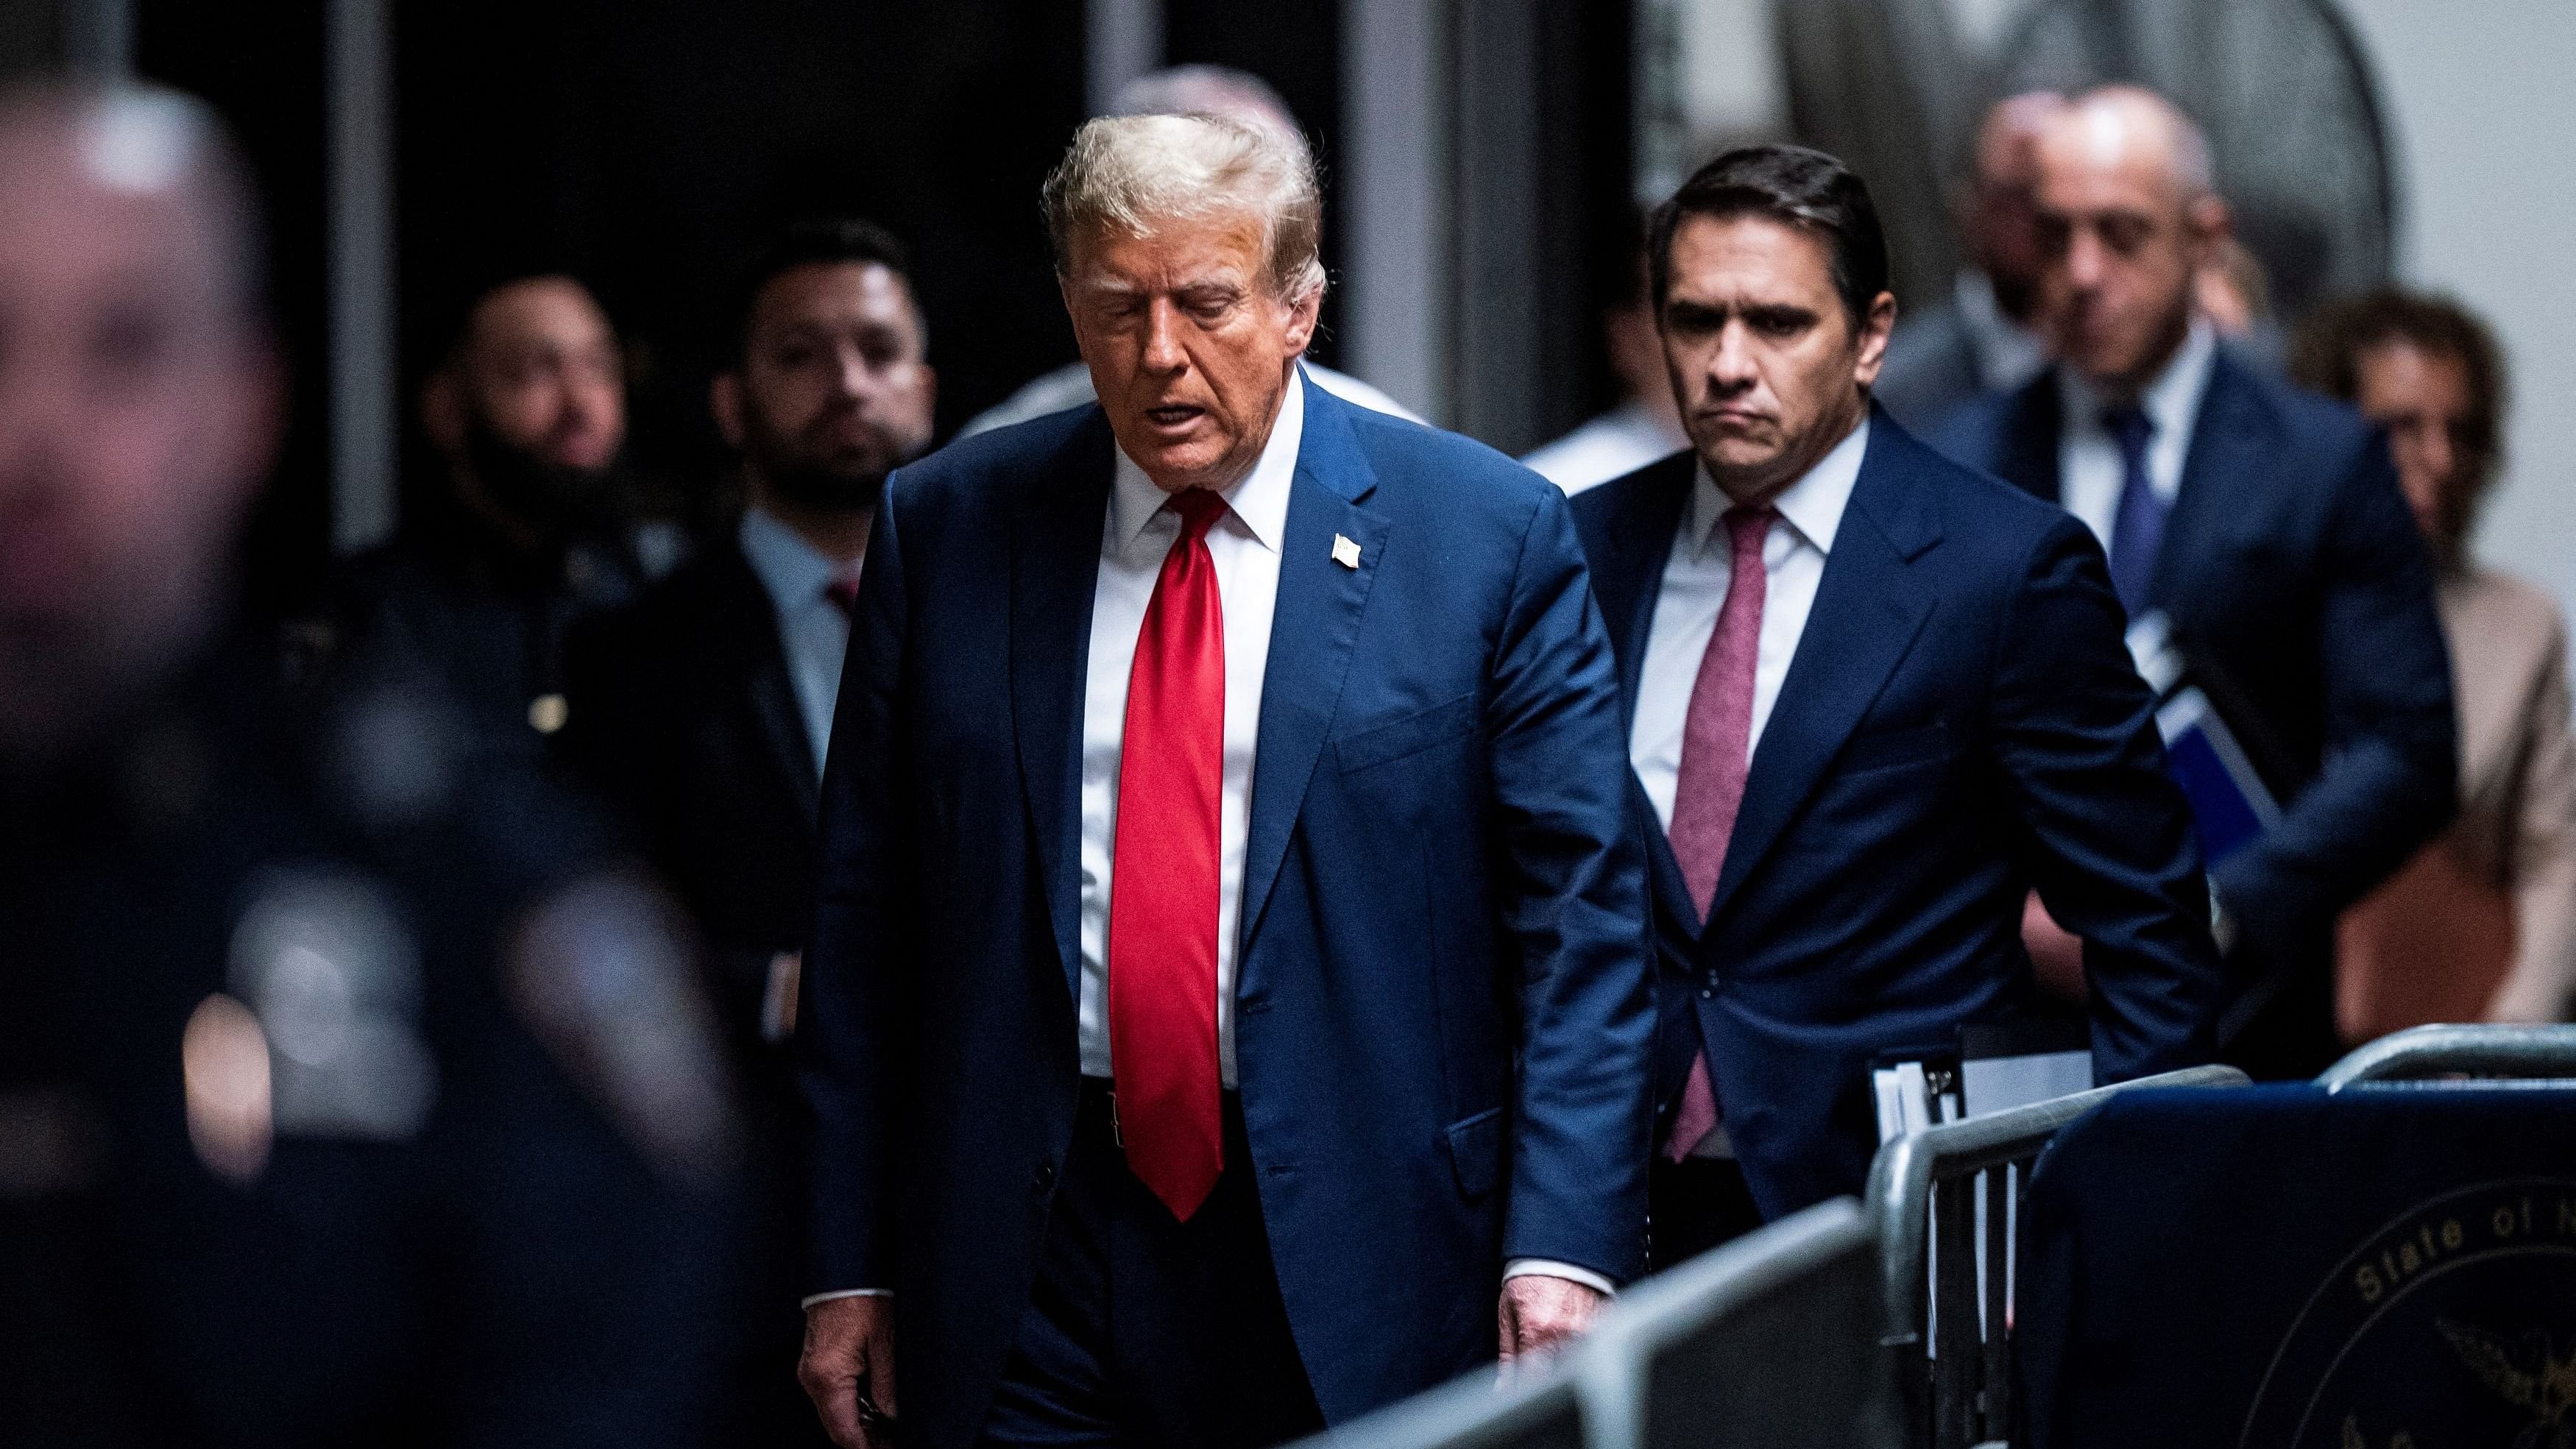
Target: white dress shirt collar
(1813, 505)
(1258, 500)
(795, 572)
(2008, 354)
(2171, 401)
(813, 633)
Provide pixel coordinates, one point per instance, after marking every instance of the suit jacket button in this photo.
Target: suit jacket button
(1044, 1181)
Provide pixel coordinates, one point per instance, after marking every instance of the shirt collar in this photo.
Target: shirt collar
(2008, 354)
(1259, 499)
(795, 572)
(1813, 505)
(2169, 401)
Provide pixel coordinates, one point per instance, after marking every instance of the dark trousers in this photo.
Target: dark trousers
(1694, 1205)
(1146, 1331)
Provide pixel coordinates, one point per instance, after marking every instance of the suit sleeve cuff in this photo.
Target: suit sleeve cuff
(813, 1298)
(1550, 1268)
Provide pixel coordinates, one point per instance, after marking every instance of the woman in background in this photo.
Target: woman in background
(2482, 924)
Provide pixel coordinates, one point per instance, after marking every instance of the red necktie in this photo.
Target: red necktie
(1163, 876)
(1717, 739)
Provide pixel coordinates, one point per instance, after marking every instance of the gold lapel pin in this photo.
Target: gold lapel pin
(1345, 552)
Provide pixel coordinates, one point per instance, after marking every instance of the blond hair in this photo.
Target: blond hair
(1133, 174)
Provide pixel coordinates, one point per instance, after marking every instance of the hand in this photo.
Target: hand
(2056, 954)
(1540, 1314)
(849, 1352)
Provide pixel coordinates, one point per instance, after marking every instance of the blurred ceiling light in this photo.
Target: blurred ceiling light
(223, 1058)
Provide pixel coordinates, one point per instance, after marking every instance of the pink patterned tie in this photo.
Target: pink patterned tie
(1717, 745)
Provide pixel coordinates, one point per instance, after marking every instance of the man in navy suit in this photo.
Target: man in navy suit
(2265, 524)
(1872, 698)
(1229, 995)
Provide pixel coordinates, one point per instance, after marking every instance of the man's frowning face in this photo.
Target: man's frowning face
(1188, 342)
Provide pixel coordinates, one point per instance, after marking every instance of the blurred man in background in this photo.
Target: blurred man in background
(531, 529)
(1872, 696)
(2263, 523)
(1646, 425)
(1986, 338)
(701, 711)
(1181, 90)
(352, 1095)
(2481, 925)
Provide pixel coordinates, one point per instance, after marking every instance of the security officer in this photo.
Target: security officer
(348, 1092)
(531, 529)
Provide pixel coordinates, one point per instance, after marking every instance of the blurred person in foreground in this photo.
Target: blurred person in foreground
(1873, 698)
(1228, 1009)
(349, 1094)
(1645, 425)
(702, 710)
(1180, 90)
(1986, 337)
(2481, 925)
(530, 529)
(2264, 523)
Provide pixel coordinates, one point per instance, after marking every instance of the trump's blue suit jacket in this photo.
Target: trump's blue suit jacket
(1444, 1012)
(1960, 722)
(2294, 576)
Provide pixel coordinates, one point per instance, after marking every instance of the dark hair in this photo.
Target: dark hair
(1789, 184)
(840, 239)
(2325, 356)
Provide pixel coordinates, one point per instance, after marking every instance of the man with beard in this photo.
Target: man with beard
(528, 411)
(702, 710)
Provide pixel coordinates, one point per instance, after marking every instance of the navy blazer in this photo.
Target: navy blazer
(1444, 1016)
(2297, 582)
(1960, 722)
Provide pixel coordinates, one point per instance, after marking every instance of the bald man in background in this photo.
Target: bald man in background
(1986, 338)
(2264, 523)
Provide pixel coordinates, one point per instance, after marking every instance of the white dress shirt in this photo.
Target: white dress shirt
(2089, 467)
(2008, 354)
(1694, 589)
(1244, 544)
(811, 628)
(1613, 445)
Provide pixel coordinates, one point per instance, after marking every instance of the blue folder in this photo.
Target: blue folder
(2230, 806)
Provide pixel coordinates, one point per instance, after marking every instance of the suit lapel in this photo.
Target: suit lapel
(2032, 422)
(752, 619)
(1314, 628)
(2229, 433)
(1627, 580)
(1867, 613)
(1055, 564)
(1630, 577)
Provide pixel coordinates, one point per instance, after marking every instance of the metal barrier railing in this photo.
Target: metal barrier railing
(1947, 1299)
(1764, 1343)
(2474, 1051)
(1539, 1410)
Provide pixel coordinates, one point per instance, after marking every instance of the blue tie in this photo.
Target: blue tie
(2138, 529)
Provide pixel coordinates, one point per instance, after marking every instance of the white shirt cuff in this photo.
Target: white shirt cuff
(1550, 1268)
(813, 1298)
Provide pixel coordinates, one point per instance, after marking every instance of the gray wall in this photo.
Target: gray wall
(2480, 94)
